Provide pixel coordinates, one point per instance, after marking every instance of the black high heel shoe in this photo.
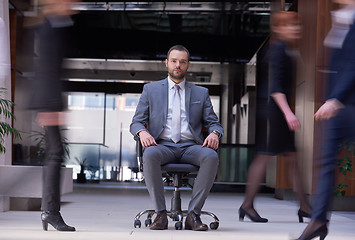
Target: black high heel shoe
(320, 232)
(242, 214)
(56, 220)
(302, 214)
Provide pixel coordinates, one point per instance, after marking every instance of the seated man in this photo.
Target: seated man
(176, 111)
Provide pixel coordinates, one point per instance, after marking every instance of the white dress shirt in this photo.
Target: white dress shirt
(185, 131)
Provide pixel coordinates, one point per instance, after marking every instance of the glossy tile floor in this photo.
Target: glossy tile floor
(106, 211)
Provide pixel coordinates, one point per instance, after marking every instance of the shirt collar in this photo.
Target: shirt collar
(172, 84)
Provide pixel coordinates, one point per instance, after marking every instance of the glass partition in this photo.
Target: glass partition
(98, 135)
(234, 161)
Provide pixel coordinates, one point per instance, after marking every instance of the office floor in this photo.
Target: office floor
(106, 211)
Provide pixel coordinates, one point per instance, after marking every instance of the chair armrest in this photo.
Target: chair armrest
(139, 153)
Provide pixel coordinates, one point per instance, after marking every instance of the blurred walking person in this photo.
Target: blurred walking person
(275, 121)
(47, 100)
(338, 111)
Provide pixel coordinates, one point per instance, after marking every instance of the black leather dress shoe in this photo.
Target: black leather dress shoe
(193, 222)
(160, 221)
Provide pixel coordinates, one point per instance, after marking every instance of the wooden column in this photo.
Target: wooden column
(5, 76)
(277, 5)
(13, 33)
(311, 89)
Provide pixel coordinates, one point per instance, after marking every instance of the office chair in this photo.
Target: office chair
(178, 174)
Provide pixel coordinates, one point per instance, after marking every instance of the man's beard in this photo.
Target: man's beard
(179, 76)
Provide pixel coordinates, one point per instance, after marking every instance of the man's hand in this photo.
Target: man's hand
(211, 141)
(292, 122)
(146, 139)
(50, 118)
(328, 110)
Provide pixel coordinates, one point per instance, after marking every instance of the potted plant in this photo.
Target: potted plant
(39, 151)
(5, 128)
(81, 176)
(344, 163)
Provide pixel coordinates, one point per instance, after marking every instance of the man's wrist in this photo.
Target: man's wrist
(140, 132)
(219, 135)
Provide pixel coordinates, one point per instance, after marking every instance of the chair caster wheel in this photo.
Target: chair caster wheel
(148, 222)
(137, 223)
(214, 225)
(178, 225)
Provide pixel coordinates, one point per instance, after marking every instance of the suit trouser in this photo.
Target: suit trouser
(183, 152)
(51, 170)
(339, 128)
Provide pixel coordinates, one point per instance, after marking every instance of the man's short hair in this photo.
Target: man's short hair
(178, 48)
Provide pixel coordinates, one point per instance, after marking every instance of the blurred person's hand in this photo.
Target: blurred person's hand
(292, 121)
(59, 8)
(146, 139)
(211, 141)
(328, 110)
(51, 119)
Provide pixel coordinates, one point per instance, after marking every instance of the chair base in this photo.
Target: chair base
(176, 216)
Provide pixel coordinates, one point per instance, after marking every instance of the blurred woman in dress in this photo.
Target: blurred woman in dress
(275, 120)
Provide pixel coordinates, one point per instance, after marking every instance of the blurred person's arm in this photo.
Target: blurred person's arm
(58, 14)
(279, 67)
(328, 110)
(50, 119)
(291, 119)
(345, 81)
(344, 85)
(50, 9)
(55, 8)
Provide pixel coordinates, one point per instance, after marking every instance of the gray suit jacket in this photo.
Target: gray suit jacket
(153, 108)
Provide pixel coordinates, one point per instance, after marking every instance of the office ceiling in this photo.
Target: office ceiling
(212, 31)
(222, 31)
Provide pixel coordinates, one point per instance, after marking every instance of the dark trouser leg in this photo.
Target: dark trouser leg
(340, 128)
(207, 160)
(153, 158)
(51, 170)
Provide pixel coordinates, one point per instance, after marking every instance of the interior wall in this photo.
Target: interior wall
(305, 89)
(311, 86)
(322, 63)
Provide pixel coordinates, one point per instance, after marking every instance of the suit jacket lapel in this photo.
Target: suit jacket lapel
(165, 99)
(187, 99)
